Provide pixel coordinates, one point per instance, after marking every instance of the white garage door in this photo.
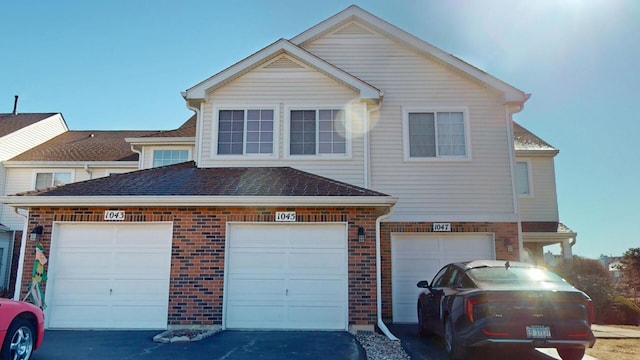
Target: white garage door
(291, 276)
(109, 276)
(416, 257)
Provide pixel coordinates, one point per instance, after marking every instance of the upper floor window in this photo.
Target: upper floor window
(435, 134)
(317, 132)
(245, 132)
(523, 178)
(169, 157)
(48, 179)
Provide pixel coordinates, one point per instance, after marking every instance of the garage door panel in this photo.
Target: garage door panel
(418, 257)
(254, 261)
(318, 262)
(298, 271)
(108, 267)
(248, 289)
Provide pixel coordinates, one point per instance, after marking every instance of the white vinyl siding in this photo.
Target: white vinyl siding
(544, 205)
(291, 85)
(478, 188)
(33, 135)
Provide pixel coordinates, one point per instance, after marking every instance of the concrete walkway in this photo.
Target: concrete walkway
(601, 332)
(612, 332)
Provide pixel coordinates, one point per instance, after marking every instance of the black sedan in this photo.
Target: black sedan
(485, 303)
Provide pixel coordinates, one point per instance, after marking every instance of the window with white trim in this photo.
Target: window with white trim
(169, 157)
(317, 132)
(436, 134)
(48, 179)
(245, 132)
(523, 183)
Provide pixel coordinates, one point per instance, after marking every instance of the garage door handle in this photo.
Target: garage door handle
(286, 292)
(110, 291)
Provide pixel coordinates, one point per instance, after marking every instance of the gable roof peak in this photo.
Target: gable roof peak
(510, 93)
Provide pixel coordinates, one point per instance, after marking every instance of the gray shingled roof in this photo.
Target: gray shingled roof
(10, 123)
(525, 140)
(89, 145)
(185, 179)
(188, 129)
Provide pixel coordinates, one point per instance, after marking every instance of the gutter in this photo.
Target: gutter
(381, 325)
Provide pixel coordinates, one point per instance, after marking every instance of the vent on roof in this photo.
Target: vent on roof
(353, 29)
(282, 62)
(15, 105)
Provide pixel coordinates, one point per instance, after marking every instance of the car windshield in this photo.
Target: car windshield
(513, 274)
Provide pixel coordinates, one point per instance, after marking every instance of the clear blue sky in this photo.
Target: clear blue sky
(122, 65)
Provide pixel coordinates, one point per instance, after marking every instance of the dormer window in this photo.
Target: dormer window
(169, 157)
(48, 179)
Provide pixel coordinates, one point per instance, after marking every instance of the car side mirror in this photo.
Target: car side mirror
(423, 284)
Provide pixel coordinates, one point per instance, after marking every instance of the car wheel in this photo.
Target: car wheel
(421, 328)
(19, 341)
(572, 353)
(454, 349)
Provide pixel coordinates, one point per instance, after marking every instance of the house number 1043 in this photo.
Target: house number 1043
(116, 215)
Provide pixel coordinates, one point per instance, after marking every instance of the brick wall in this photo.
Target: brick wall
(505, 235)
(197, 265)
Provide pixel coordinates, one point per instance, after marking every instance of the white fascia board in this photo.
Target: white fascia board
(510, 93)
(162, 141)
(451, 217)
(200, 90)
(172, 201)
(69, 164)
(533, 153)
(546, 236)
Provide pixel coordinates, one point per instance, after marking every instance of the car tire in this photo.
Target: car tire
(451, 344)
(421, 328)
(19, 341)
(571, 353)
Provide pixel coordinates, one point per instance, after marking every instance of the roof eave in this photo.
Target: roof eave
(69, 164)
(159, 140)
(543, 152)
(219, 201)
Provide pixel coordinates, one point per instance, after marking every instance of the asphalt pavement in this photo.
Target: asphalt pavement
(227, 345)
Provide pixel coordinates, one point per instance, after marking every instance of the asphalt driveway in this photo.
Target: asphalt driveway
(227, 345)
(432, 347)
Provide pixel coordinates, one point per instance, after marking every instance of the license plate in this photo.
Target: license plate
(538, 332)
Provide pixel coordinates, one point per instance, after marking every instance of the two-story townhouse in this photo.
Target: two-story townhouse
(18, 133)
(330, 173)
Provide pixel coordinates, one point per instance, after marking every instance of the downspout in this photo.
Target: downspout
(512, 160)
(381, 325)
(198, 110)
(365, 136)
(23, 249)
(89, 171)
(140, 157)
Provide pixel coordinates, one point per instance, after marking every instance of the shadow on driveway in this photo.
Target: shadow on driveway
(432, 347)
(227, 345)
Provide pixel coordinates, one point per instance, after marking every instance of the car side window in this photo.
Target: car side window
(440, 279)
(454, 280)
(466, 282)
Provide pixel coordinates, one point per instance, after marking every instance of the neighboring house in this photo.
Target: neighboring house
(327, 174)
(18, 133)
(536, 189)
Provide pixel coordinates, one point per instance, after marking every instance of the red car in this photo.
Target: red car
(21, 329)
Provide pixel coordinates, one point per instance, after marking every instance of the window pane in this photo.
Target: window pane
(44, 180)
(331, 141)
(61, 178)
(168, 157)
(303, 132)
(522, 178)
(230, 132)
(260, 132)
(422, 132)
(451, 137)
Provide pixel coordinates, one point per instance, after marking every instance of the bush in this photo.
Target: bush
(623, 312)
